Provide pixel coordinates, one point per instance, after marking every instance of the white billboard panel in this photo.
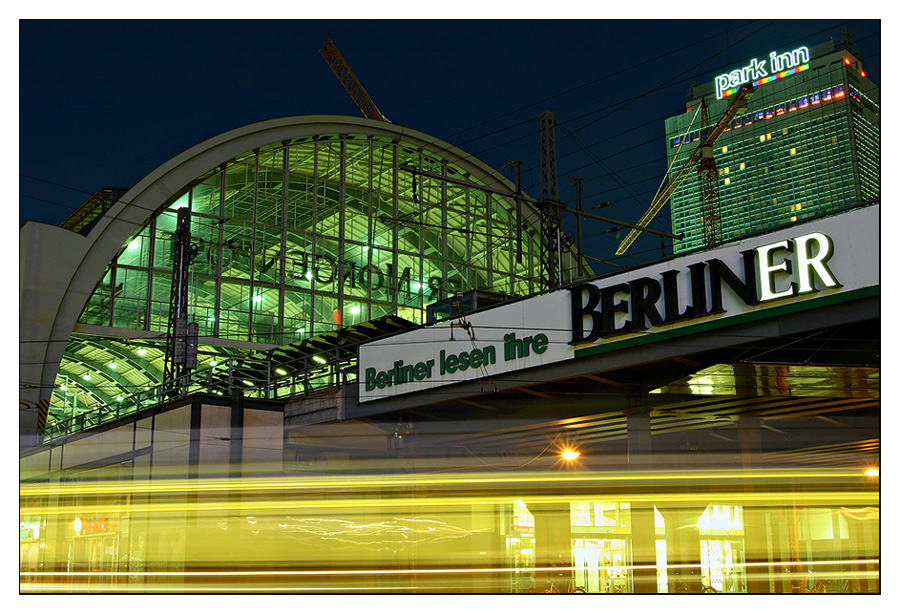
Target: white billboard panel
(800, 267)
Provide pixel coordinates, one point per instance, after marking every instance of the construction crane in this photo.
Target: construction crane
(554, 241)
(550, 208)
(702, 155)
(342, 71)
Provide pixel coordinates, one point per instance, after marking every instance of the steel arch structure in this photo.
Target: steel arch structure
(284, 208)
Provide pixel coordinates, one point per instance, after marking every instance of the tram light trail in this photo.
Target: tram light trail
(419, 532)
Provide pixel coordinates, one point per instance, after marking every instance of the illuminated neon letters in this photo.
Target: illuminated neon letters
(798, 266)
(757, 69)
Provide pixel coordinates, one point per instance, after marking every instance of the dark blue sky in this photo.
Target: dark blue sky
(106, 102)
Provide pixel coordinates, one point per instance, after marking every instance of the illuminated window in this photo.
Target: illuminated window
(580, 513)
(793, 150)
(785, 131)
(725, 149)
(793, 218)
(727, 170)
(743, 166)
(727, 180)
(762, 138)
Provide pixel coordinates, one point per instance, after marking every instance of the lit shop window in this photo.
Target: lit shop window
(722, 518)
(580, 513)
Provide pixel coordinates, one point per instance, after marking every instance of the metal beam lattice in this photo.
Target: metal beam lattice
(181, 335)
(345, 75)
(737, 106)
(549, 184)
(708, 175)
(550, 208)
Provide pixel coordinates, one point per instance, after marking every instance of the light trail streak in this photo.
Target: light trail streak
(434, 480)
(215, 588)
(389, 533)
(279, 581)
(809, 498)
(356, 572)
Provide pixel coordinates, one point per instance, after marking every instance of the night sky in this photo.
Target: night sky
(106, 102)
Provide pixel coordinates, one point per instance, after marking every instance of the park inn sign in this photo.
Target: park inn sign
(761, 71)
(831, 259)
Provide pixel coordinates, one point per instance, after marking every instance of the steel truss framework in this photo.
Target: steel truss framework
(296, 239)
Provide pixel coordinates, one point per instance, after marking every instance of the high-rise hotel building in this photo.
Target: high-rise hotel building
(808, 142)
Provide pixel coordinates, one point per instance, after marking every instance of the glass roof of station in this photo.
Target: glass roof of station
(297, 239)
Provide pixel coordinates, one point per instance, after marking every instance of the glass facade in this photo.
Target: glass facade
(807, 144)
(302, 238)
(296, 239)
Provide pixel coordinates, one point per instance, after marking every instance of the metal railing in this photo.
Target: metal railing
(256, 378)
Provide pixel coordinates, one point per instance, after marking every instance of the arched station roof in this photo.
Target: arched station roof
(62, 269)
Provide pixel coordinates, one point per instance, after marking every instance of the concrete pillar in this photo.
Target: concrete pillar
(683, 548)
(552, 542)
(643, 527)
(235, 449)
(796, 557)
(862, 526)
(235, 523)
(756, 550)
(59, 534)
(640, 448)
(780, 548)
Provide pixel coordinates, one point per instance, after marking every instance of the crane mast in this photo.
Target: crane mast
(550, 208)
(708, 175)
(345, 75)
(702, 155)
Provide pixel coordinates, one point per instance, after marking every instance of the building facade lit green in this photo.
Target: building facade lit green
(807, 144)
(294, 239)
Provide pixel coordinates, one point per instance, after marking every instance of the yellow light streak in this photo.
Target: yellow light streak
(328, 482)
(809, 497)
(331, 533)
(217, 588)
(386, 572)
(419, 580)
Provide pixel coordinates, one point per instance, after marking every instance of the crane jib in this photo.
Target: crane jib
(738, 105)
